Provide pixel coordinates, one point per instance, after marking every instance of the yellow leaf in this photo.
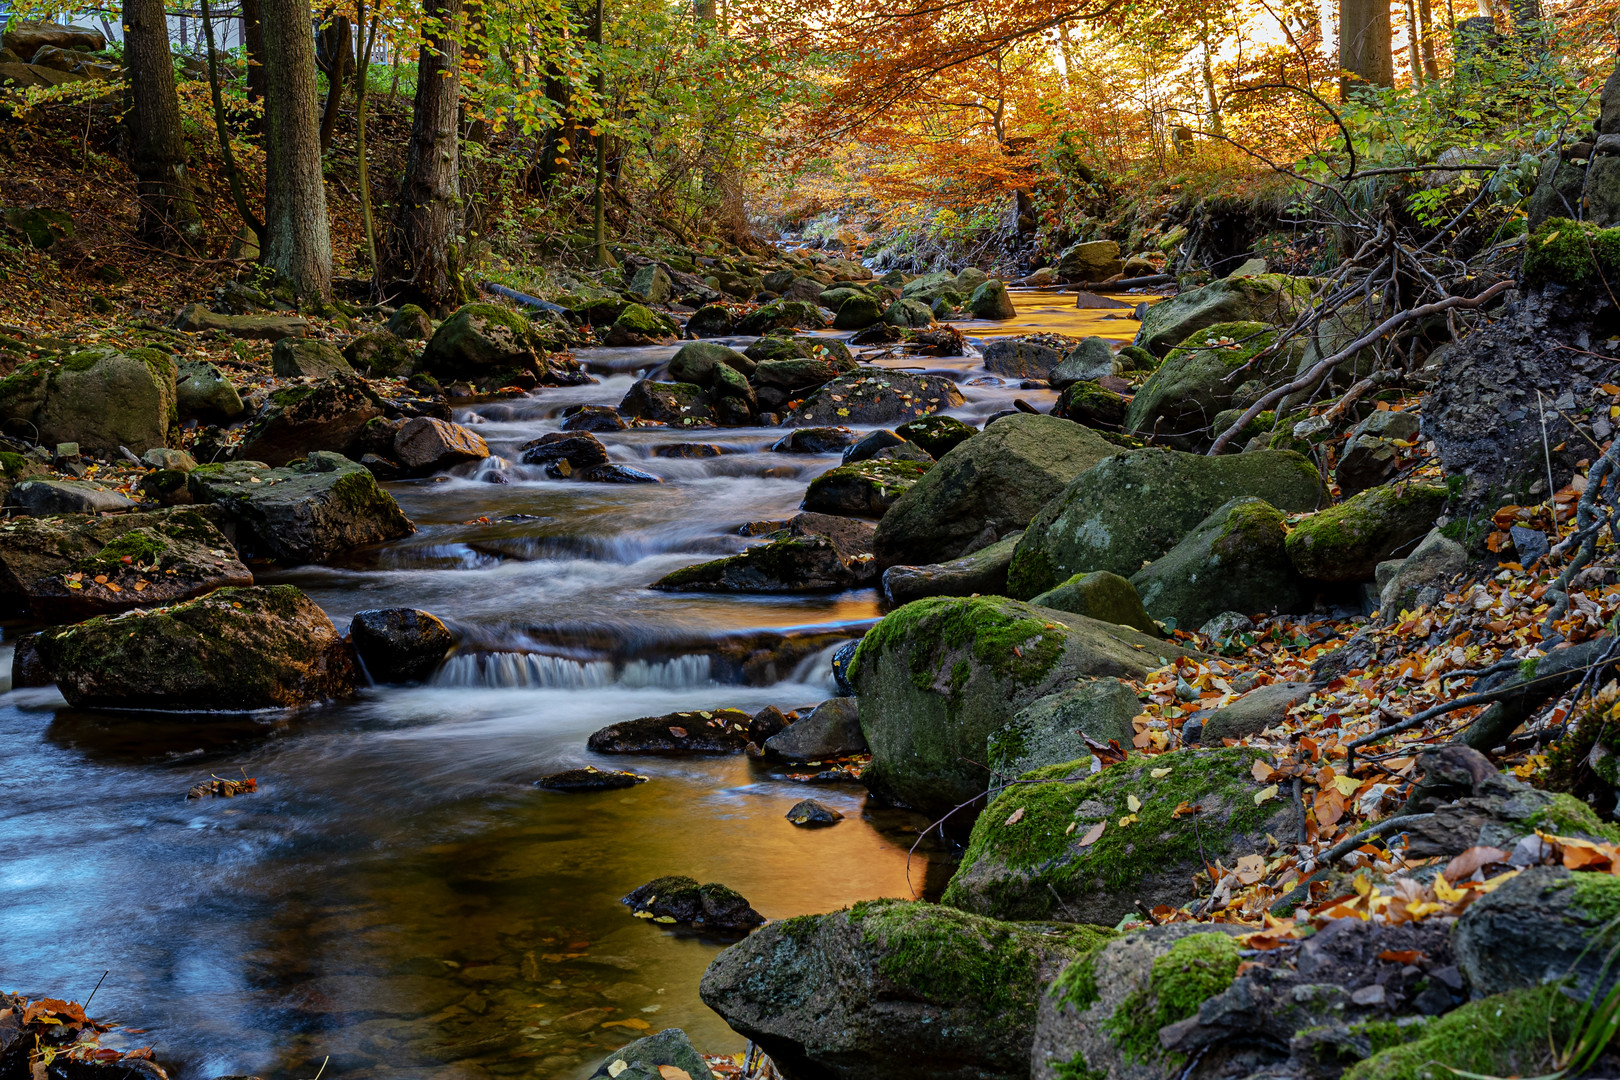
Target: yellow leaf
(1265, 794)
(634, 1024)
(670, 1072)
(1444, 892)
(1015, 817)
(1346, 784)
(1093, 833)
(1132, 803)
(1126, 822)
(1159, 774)
(618, 1067)
(1070, 830)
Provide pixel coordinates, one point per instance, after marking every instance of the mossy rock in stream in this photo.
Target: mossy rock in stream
(1041, 867)
(1178, 403)
(862, 488)
(1347, 542)
(1233, 560)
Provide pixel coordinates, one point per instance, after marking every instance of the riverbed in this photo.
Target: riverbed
(397, 899)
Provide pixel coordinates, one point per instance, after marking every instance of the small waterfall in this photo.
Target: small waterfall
(816, 669)
(509, 670)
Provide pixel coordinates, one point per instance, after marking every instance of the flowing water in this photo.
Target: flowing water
(397, 897)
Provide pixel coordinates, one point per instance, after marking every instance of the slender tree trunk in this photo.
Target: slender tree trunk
(1414, 49)
(1364, 44)
(420, 261)
(368, 40)
(253, 45)
(1431, 65)
(232, 174)
(168, 212)
(599, 223)
(335, 58)
(1217, 125)
(297, 241)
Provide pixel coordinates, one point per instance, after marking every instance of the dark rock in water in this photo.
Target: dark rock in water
(425, 445)
(682, 900)
(51, 565)
(1031, 355)
(982, 573)
(643, 1059)
(874, 444)
(873, 396)
(45, 497)
(809, 814)
(676, 404)
(327, 415)
(851, 536)
(235, 649)
(590, 778)
(787, 565)
(723, 731)
(815, 440)
(832, 730)
(710, 322)
(581, 450)
(767, 722)
(303, 513)
(840, 667)
(27, 665)
(400, 645)
(862, 489)
(493, 346)
(936, 434)
(611, 473)
(879, 333)
(687, 450)
(592, 418)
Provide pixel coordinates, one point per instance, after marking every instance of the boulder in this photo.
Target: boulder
(938, 435)
(1254, 712)
(710, 321)
(235, 649)
(650, 285)
(698, 363)
(810, 814)
(908, 313)
(1048, 864)
(380, 354)
(991, 301)
(1198, 379)
(804, 288)
(723, 731)
(645, 1059)
(195, 317)
(67, 568)
(1233, 560)
(294, 358)
(815, 440)
(612, 473)
(327, 415)
(800, 314)
(832, 730)
(202, 392)
(1267, 298)
(25, 37)
(863, 488)
(1135, 506)
(410, 323)
(43, 497)
(892, 989)
(785, 345)
(1100, 595)
(858, 312)
(1424, 576)
(1365, 462)
(676, 404)
(683, 900)
(1092, 406)
(1093, 260)
(1091, 359)
(935, 677)
(580, 451)
(1029, 356)
(789, 565)
(1511, 1034)
(303, 513)
(592, 418)
(987, 486)
(982, 572)
(1543, 926)
(1347, 542)
(884, 443)
(399, 645)
(1053, 730)
(590, 778)
(101, 398)
(425, 445)
(969, 278)
(491, 346)
(851, 536)
(795, 377)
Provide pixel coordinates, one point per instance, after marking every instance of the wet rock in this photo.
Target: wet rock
(1135, 506)
(410, 323)
(101, 398)
(1053, 730)
(1040, 868)
(873, 397)
(815, 440)
(810, 814)
(982, 572)
(195, 317)
(235, 649)
(1091, 359)
(903, 991)
(698, 362)
(841, 661)
(590, 778)
(303, 513)
(858, 312)
(682, 900)
(832, 730)
(1031, 356)
(1092, 406)
(1424, 576)
(400, 645)
(722, 731)
(788, 565)
(1090, 260)
(688, 451)
(988, 485)
(580, 451)
(862, 489)
(991, 301)
(938, 435)
(202, 392)
(492, 346)
(797, 376)
(989, 656)
(612, 473)
(851, 536)
(592, 418)
(328, 415)
(1197, 380)
(766, 724)
(1365, 463)
(1254, 712)
(380, 354)
(1100, 595)
(676, 404)
(43, 497)
(874, 443)
(1233, 560)
(710, 321)
(800, 314)
(425, 445)
(1347, 542)
(1266, 298)
(294, 358)
(645, 1059)
(786, 345)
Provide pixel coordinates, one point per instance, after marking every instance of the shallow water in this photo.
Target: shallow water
(397, 897)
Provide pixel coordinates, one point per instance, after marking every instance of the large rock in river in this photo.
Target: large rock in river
(327, 415)
(1047, 864)
(1347, 542)
(936, 677)
(100, 398)
(306, 512)
(1233, 560)
(876, 397)
(987, 486)
(494, 346)
(235, 649)
(893, 989)
(863, 488)
(1136, 506)
(1178, 403)
(1265, 298)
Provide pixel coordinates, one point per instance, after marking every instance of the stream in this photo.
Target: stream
(397, 899)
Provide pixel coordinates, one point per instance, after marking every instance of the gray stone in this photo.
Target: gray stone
(1424, 576)
(1545, 925)
(1088, 361)
(1053, 730)
(41, 497)
(1346, 542)
(1389, 424)
(164, 458)
(1030, 357)
(195, 317)
(908, 313)
(294, 358)
(1232, 560)
(1260, 708)
(643, 1057)
(26, 37)
(809, 814)
(426, 445)
(1199, 379)
(1529, 544)
(984, 572)
(411, 323)
(327, 415)
(1269, 298)
(1366, 462)
(202, 392)
(832, 730)
(399, 645)
(1100, 595)
(1093, 260)
(876, 397)
(650, 285)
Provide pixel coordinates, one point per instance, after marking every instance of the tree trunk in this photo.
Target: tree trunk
(1414, 49)
(420, 258)
(297, 241)
(1364, 44)
(335, 58)
(168, 213)
(253, 44)
(1431, 64)
(1217, 125)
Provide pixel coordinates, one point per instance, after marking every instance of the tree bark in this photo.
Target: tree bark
(1431, 64)
(297, 241)
(1364, 44)
(168, 212)
(420, 262)
(253, 44)
(335, 58)
(1414, 50)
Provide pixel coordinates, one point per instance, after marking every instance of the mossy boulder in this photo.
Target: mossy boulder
(928, 287)
(800, 314)
(894, 989)
(1100, 595)
(1511, 1034)
(937, 676)
(793, 377)
(101, 398)
(492, 346)
(1092, 406)
(938, 435)
(786, 345)
(876, 397)
(710, 321)
(1053, 730)
(1090, 260)
(986, 486)
(327, 415)
(1539, 927)
(1039, 867)
(1133, 507)
(1178, 403)
(982, 572)
(202, 392)
(409, 322)
(1093, 358)
(638, 324)
(650, 285)
(1266, 298)
(1347, 542)
(645, 1059)
(863, 488)
(677, 899)
(234, 649)
(794, 564)
(1576, 255)
(294, 358)
(990, 300)
(306, 512)
(380, 353)
(912, 313)
(1233, 560)
(673, 403)
(697, 363)
(858, 312)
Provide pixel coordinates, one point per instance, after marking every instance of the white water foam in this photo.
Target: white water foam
(510, 670)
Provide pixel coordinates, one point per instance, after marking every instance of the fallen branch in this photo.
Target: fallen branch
(1394, 823)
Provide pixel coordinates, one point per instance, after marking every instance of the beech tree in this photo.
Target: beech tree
(1364, 44)
(168, 212)
(297, 240)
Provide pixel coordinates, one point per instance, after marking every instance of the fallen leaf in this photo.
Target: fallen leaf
(1265, 794)
(1464, 865)
(1262, 772)
(678, 732)
(1015, 817)
(1132, 803)
(1347, 785)
(1093, 834)
(1159, 774)
(670, 1072)
(1401, 956)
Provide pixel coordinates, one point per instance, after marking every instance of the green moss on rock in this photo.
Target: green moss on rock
(1195, 969)
(1572, 254)
(1505, 1035)
(1347, 542)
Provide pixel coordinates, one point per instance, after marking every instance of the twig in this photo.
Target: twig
(1394, 823)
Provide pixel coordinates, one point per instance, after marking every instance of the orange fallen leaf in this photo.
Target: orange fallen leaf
(1401, 956)
(678, 732)
(1093, 834)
